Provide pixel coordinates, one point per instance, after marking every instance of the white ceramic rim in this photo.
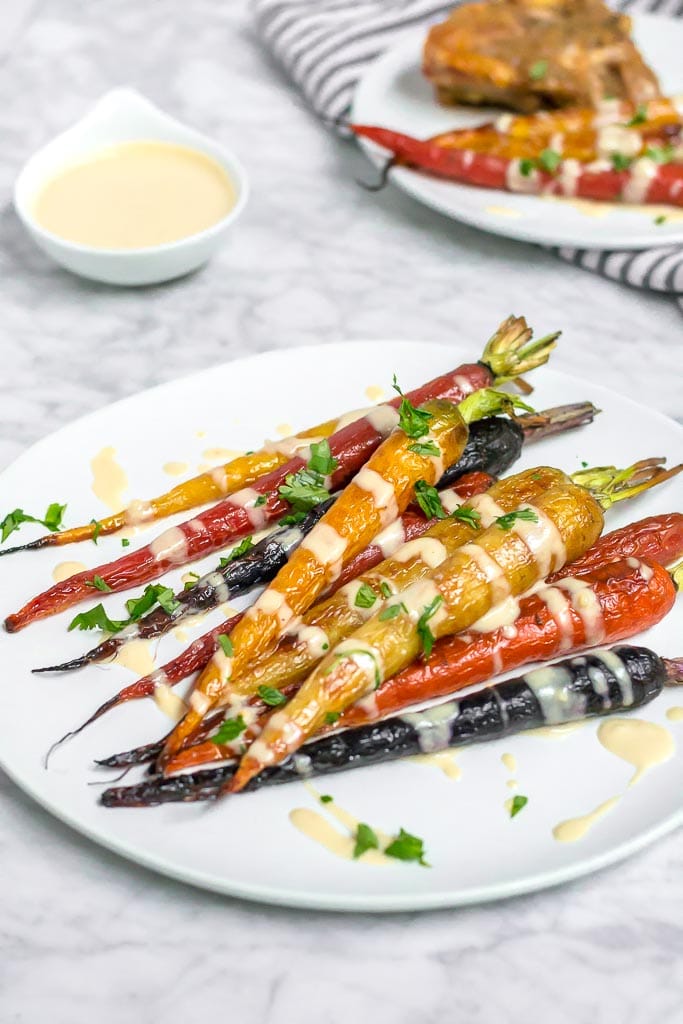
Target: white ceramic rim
(348, 903)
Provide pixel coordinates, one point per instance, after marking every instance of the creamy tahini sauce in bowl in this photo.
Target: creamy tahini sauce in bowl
(129, 195)
(135, 195)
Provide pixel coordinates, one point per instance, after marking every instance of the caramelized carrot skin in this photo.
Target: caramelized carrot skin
(226, 521)
(659, 538)
(489, 170)
(629, 605)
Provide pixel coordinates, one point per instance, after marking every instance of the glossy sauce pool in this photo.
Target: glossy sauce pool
(135, 195)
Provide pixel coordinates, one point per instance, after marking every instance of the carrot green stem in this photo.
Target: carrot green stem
(511, 352)
(608, 484)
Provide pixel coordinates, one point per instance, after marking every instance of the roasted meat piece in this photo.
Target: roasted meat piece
(530, 54)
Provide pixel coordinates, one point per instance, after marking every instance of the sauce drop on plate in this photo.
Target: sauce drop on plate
(135, 195)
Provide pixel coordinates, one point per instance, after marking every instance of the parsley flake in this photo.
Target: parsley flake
(96, 618)
(429, 501)
(507, 521)
(125, 543)
(14, 520)
(325, 798)
(391, 611)
(661, 154)
(366, 839)
(226, 644)
(98, 584)
(322, 461)
(549, 160)
(385, 589)
(407, 847)
(428, 448)
(244, 545)
(661, 219)
(304, 490)
(538, 70)
(424, 632)
(98, 530)
(229, 730)
(331, 717)
(639, 117)
(294, 519)
(518, 803)
(413, 422)
(261, 500)
(271, 696)
(621, 162)
(467, 515)
(526, 166)
(366, 597)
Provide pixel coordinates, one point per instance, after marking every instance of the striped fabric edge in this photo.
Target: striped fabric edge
(325, 45)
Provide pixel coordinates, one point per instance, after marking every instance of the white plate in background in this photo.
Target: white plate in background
(394, 93)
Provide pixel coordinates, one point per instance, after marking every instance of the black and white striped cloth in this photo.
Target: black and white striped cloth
(325, 45)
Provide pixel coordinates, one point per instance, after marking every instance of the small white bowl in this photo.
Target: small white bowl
(123, 115)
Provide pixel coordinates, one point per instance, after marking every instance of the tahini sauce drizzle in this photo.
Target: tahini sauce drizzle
(444, 760)
(137, 656)
(63, 570)
(317, 827)
(675, 714)
(109, 479)
(174, 468)
(640, 743)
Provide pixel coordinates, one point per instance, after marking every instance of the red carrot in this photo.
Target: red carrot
(645, 181)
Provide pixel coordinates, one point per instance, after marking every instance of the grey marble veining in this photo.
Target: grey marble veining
(86, 936)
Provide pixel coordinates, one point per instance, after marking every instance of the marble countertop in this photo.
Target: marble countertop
(87, 936)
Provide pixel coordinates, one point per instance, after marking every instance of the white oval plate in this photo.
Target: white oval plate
(246, 846)
(394, 93)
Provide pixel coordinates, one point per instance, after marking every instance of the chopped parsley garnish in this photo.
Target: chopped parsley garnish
(413, 422)
(366, 839)
(366, 597)
(325, 798)
(429, 501)
(154, 593)
(518, 803)
(294, 519)
(13, 520)
(98, 530)
(322, 461)
(550, 160)
(538, 70)
(226, 644)
(191, 580)
(507, 521)
(391, 611)
(407, 847)
(526, 166)
(425, 634)
(640, 116)
(385, 589)
(584, 463)
(304, 490)
(271, 696)
(98, 584)
(331, 717)
(96, 618)
(621, 162)
(467, 515)
(661, 219)
(425, 448)
(261, 500)
(125, 543)
(237, 552)
(229, 730)
(661, 154)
